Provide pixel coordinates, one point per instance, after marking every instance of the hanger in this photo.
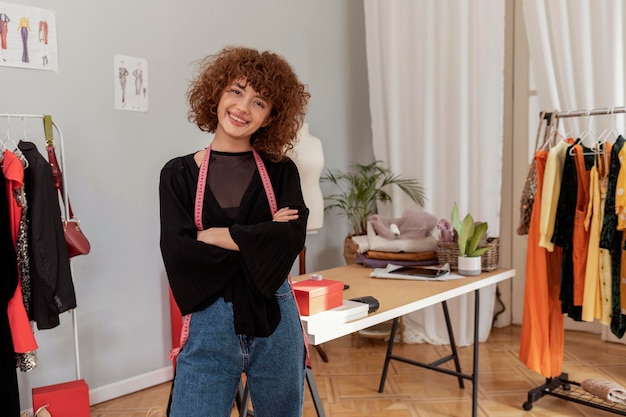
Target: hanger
(593, 149)
(15, 150)
(553, 135)
(605, 161)
(612, 130)
(569, 134)
(7, 137)
(589, 131)
(544, 142)
(18, 151)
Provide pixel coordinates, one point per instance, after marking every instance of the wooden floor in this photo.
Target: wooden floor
(348, 383)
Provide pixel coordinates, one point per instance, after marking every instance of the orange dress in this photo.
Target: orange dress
(596, 259)
(541, 340)
(581, 235)
(21, 331)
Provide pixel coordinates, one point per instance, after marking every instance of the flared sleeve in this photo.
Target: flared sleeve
(197, 272)
(269, 249)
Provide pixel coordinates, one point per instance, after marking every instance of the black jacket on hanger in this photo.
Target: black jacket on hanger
(50, 274)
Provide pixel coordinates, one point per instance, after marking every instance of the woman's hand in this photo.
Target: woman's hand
(217, 236)
(285, 214)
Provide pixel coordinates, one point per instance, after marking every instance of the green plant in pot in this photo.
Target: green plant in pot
(358, 191)
(469, 235)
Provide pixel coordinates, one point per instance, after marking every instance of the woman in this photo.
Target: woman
(227, 255)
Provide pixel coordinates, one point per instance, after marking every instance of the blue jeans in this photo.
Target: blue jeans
(209, 367)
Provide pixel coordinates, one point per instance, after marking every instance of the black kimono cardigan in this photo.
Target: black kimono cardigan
(52, 286)
(199, 273)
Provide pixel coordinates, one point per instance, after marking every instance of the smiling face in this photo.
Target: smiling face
(241, 111)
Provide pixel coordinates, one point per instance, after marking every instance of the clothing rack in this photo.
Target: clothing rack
(607, 111)
(58, 145)
(561, 386)
(65, 210)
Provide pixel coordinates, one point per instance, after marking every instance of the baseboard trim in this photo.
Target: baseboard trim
(130, 385)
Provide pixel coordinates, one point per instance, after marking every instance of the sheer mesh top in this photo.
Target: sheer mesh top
(229, 177)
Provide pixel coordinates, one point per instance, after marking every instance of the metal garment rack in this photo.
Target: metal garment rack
(561, 386)
(607, 111)
(21, 118)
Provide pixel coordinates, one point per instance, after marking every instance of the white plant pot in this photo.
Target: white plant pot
(469, 266)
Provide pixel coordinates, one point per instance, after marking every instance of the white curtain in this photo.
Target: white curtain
(436, 98)
(578, 59)
(577, 51)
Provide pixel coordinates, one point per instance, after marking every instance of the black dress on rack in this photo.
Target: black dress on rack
(564, 226)
(611, 239)
(50, 273)
(10, 398)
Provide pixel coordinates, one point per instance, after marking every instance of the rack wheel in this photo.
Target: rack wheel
(567, 387)
(527, 405)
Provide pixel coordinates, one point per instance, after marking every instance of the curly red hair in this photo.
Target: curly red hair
(267, 73)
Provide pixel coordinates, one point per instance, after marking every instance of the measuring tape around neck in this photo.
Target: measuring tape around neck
(198, 206)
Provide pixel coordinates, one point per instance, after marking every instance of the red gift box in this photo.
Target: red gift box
(317, 296)
(69, 399)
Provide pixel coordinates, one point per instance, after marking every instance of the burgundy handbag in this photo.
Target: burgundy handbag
(77, 243)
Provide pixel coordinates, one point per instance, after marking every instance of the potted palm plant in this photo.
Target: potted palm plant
(358, 191)
(469, 236)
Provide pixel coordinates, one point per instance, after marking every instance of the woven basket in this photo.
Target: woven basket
(449, 253)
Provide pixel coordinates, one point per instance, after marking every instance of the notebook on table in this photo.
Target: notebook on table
(416, 273)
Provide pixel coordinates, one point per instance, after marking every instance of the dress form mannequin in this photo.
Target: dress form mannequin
(309, 158)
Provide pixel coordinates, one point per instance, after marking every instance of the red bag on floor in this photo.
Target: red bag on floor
(65, 399)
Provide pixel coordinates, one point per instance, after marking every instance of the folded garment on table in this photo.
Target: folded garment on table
(363, 245)
(362, 259)
(413, 224)
(402, 256)
(413, 232)
(379, 243)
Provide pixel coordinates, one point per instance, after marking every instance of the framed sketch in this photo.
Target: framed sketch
(130, 83)
(28, 37)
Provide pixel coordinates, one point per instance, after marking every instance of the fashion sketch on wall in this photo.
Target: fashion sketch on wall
(28, 37)
(131, 83)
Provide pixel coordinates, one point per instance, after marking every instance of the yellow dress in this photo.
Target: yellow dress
(597, 268)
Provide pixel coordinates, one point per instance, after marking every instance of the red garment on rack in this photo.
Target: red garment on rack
(541, 340)
(580, 237)
(21, 331)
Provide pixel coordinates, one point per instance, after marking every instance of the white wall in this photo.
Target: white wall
(113, 158)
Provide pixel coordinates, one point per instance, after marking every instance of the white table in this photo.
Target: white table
(397, 298)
